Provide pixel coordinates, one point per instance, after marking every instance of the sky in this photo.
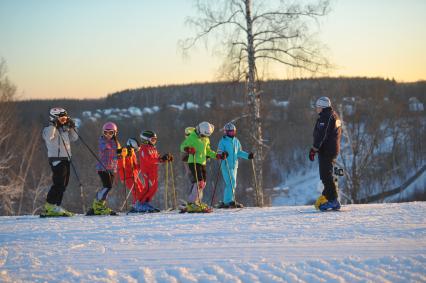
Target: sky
(88, 49)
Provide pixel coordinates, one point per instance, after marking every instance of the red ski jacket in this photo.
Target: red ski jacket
(149, 158)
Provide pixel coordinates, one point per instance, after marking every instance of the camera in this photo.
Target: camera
(338, 171)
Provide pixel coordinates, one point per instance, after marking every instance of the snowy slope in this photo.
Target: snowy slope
(364, 243)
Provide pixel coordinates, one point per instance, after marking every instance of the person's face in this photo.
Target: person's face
(108, 134)
(318, 110)
(62, 119)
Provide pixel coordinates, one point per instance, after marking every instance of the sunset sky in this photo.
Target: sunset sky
(90, 48)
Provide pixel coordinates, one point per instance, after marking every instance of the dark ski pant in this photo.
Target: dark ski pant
(198, 182)
(107, 179)
(326, 165)
(60, 179)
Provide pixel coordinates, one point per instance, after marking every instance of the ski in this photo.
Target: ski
(183, 208)
(319, 211)
(53, 216)
(91, 212)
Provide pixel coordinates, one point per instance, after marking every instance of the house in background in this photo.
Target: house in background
(415, 105)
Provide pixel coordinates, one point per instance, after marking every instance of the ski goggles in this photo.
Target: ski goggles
(110, 133)
(230, 133)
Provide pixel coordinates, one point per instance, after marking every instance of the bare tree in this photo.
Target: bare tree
(255, 35)
(7, 93)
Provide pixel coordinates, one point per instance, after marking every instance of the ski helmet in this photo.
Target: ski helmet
(189, 130)
(133, 143)
(205, 129)
(230, 129)
(323, 102)
(110, 126)
(149, 137)
(57, 112)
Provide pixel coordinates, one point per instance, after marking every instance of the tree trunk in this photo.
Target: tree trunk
(254, 106)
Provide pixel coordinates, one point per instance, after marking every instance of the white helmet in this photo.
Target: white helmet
(133, 143)
(205, 129)
(323, 102)
(57, 112)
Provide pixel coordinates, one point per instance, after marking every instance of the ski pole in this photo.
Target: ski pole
(75, 172)
(125, 201)
(133, 175)
(166, 191)
(173, 184)
(255, 182)
(123, 159)
(90, 150)
(196, 180)
(230, 180)
(215, 185)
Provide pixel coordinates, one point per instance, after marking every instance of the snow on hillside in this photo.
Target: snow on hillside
(363, 243)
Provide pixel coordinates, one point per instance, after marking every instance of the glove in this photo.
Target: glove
(129, 151)
(190, 150)
(124, 152)
(167, 157)
(71, 123)
(312, 153)
(224, 154)
(220, 156)
(56, 124)
(251, 155)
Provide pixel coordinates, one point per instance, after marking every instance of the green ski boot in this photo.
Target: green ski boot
(99, 208)
(53, 210)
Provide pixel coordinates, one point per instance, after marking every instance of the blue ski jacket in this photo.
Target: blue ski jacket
(233, 146)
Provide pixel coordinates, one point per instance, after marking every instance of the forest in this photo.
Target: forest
(382, 146)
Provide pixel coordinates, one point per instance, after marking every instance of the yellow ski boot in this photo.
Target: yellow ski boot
(53, 210)
(321, 200)
(99, 208)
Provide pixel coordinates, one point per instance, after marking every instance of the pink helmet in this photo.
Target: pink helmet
(110, 126)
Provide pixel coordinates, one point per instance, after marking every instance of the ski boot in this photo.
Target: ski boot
(53, 210)
(196, 208)
(333, 205)
(234, 204)
(99, 208)
(137, 207)
(222, 205)
(150, 208)
(320, 201)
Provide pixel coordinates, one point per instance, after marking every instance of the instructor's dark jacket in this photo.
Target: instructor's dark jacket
(327, 133)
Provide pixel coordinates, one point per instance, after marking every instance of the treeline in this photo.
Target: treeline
(375, 113)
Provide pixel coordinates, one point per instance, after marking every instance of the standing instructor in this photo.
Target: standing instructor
(327, 135)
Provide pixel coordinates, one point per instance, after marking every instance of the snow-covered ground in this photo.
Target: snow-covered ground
(363, 243)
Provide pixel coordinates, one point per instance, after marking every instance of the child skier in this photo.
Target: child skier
(128, 169)
(149, 158)
(230, 146)
(57, 137)
(197, 145)
(109, 148)
(327, 135)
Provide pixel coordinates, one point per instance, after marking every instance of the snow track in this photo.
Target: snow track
(366, 243)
